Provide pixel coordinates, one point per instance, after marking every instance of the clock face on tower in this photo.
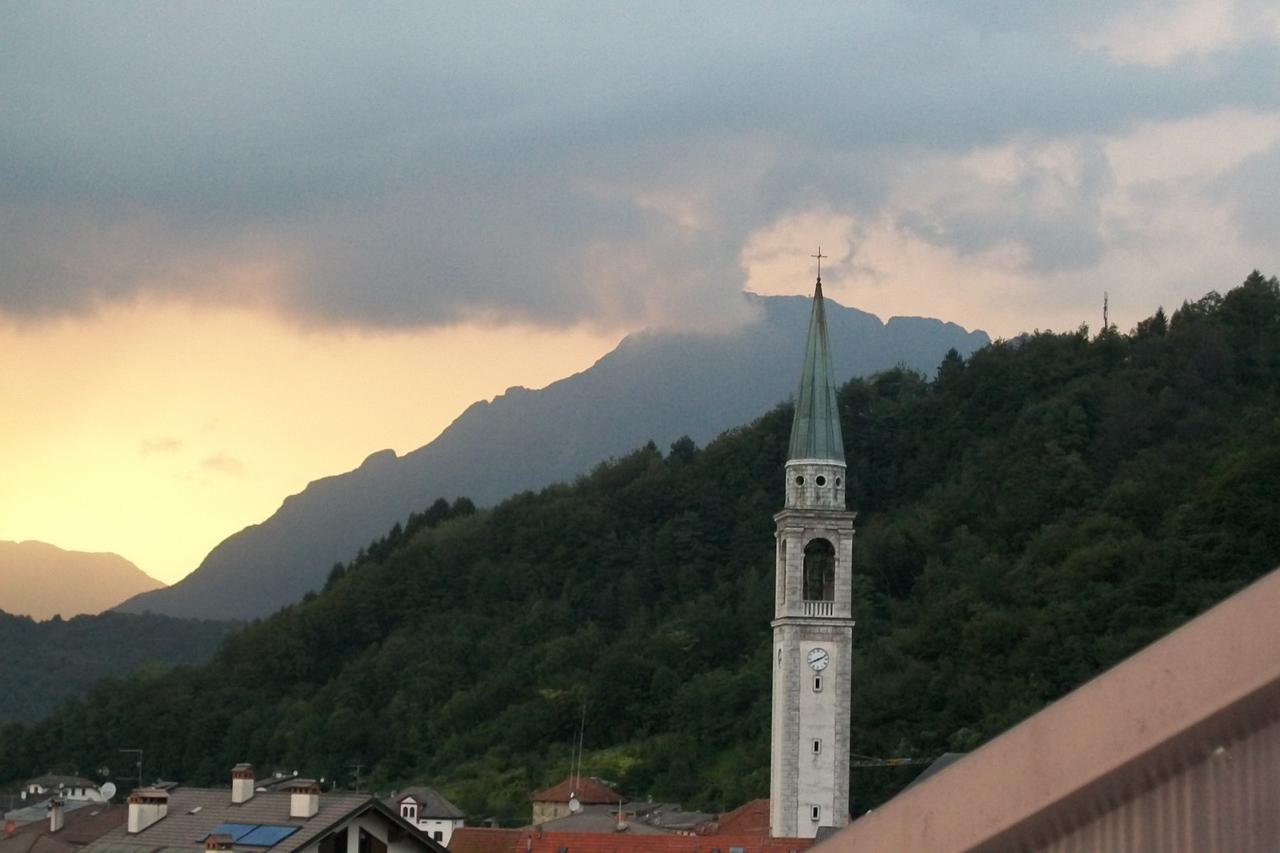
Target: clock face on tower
(818, 659)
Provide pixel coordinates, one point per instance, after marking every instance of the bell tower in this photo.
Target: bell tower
(813, 609)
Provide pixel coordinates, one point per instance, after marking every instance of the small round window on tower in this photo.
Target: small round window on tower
(799, 481)
(837, 481)
(822, 481)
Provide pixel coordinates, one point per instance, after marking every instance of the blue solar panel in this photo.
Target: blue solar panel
(235, 830)
(266, 835)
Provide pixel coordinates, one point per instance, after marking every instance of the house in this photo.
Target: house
(1175, 748)
(429, 811)
(569, 796)
(296, 818)
(67, 787)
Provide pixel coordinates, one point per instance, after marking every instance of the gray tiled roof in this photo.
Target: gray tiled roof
(431, 803)
(53, 780)
(600, 821)
(36, 808)
(194, 812)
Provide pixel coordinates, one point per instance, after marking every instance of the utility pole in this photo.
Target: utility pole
(1105, 323)
(137, 764)
(357, 768)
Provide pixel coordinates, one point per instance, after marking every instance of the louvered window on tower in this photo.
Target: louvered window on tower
(819, 571)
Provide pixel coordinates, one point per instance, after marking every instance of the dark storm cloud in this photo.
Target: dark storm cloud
(416, 165)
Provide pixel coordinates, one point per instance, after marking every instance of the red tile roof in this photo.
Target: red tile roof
(750, 818)
(478, 839)
(590, 792)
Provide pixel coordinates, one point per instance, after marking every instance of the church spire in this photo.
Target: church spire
(815, 432)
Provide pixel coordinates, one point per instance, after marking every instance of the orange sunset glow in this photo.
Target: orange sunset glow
(155, 431)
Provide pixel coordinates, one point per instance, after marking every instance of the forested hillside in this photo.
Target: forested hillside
(1028, 517)
(44, 663)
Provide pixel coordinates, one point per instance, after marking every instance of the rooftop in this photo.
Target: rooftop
(54, 780)
(1192, 718)
(194, 813)
(478, 839)
(80, 827)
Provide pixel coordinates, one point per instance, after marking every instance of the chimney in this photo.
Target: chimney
(219, 842)
(304, 798)
(146, 806)
(242, 783)
(56, 817)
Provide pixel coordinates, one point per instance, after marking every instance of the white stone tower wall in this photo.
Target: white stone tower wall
(799, 778)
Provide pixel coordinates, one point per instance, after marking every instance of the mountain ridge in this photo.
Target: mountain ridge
(41, 580)
(654, 386)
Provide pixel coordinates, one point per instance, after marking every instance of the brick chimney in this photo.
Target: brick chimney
(146, 806)
(304, 798)
(56, 815)
(242, 783)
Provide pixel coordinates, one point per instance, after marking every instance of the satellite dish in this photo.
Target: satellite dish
(574, 805)
(108, 790)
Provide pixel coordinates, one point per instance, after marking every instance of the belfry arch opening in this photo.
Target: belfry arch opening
(819, 571)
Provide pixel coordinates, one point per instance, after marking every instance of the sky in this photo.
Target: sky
(244, 245)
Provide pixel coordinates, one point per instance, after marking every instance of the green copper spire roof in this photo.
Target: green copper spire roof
(815, 432)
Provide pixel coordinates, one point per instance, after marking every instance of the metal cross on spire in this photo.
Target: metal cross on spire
(819, 256)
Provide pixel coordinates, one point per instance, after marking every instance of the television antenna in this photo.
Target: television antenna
(575, 771)
(137, 764)
(357, 768)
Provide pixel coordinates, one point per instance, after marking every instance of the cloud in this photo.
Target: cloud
(159, 444)
(1042, 227)
(223, 463)
(431, 165)
(1161, 33)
